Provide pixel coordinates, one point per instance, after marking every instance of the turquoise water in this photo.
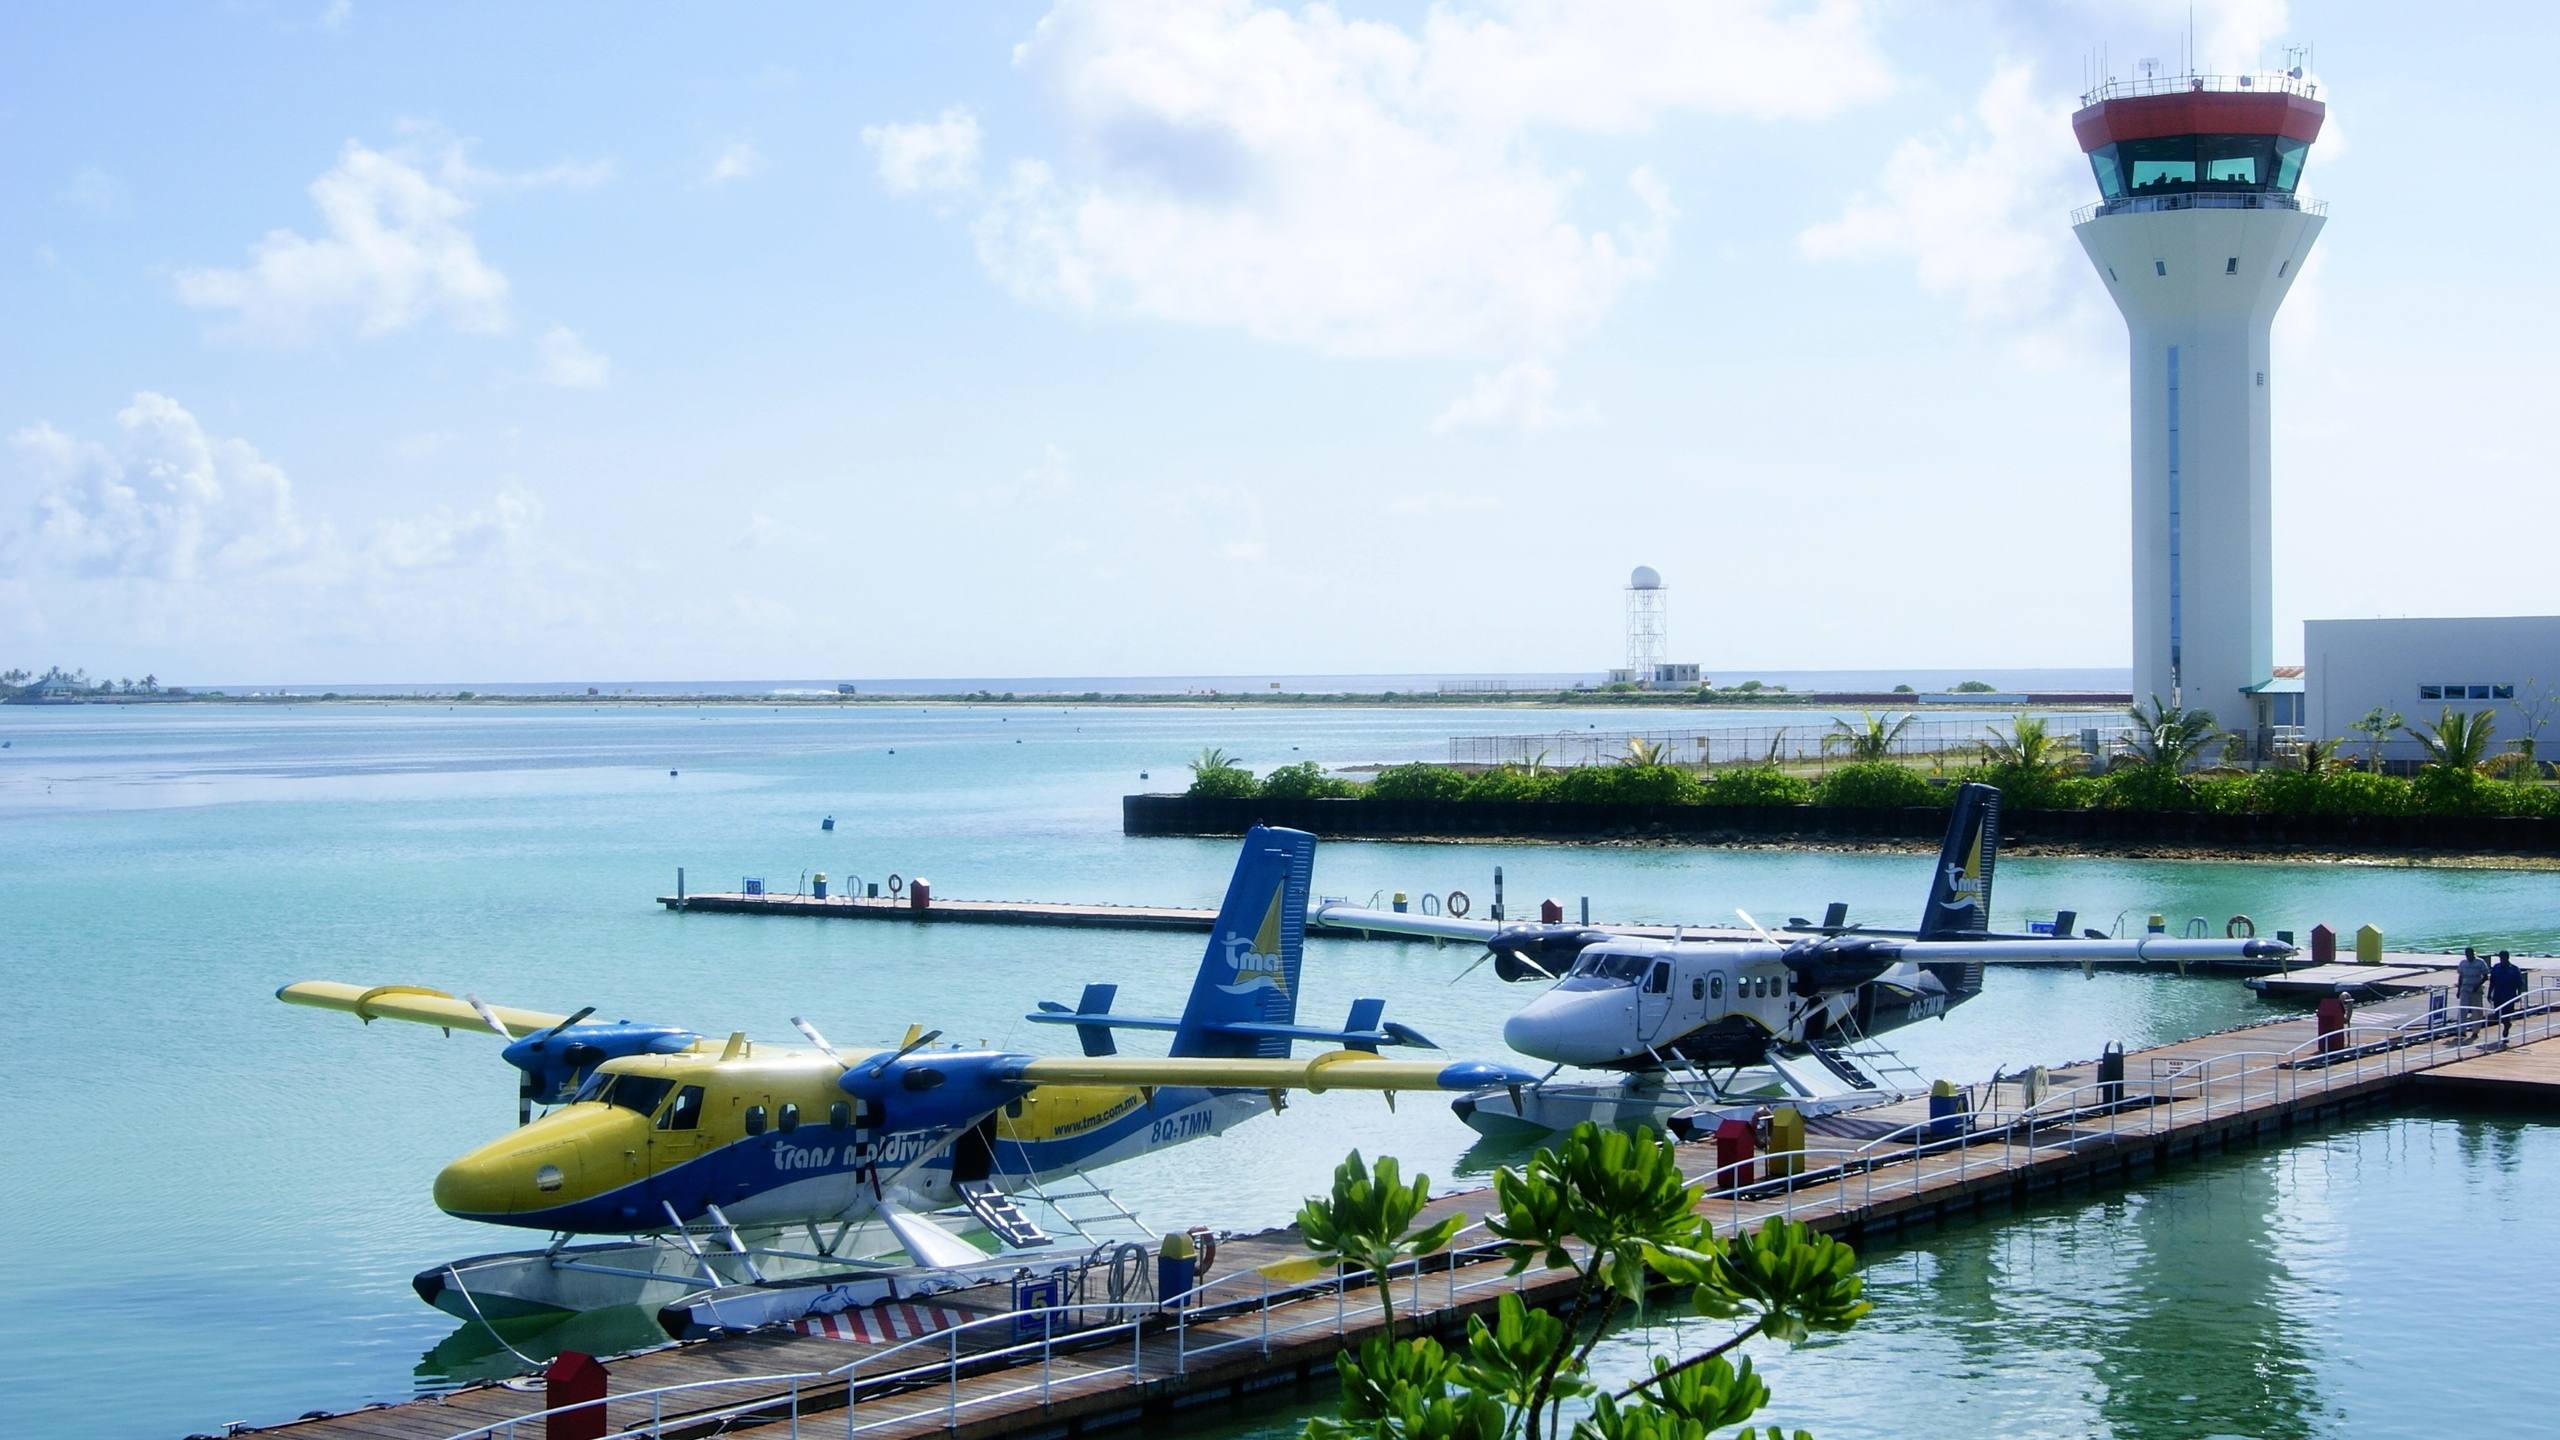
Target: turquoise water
(216, 1201)
(2388, 1278)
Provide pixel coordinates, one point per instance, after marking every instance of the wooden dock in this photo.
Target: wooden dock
(1862, 1176)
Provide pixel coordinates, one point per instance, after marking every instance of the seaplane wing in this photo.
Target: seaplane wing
(1333, 916)
(1333, 1070)
(414, 1003)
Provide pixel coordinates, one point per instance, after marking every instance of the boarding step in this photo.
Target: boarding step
(1001, 1216)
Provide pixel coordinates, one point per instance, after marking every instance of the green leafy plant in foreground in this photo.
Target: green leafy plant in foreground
(1367, 1221)
(1614, 1210)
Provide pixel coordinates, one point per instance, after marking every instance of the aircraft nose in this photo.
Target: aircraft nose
(534, 1169)
(1571, 1029)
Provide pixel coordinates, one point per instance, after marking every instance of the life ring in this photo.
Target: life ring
(1458, 903)
(896, 884)
(1430, 903)
(2239, 927)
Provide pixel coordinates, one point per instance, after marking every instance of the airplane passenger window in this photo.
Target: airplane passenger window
(755, 1119)
(1659, 981)
(686, 1112)
(1697, 987)
(789, 1120)
(639, 1093)
(840, 1116)
(1715, 987)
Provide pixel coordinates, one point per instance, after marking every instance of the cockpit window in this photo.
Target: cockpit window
(640, 1093)
(1621, 968)
(1659, 982)
(686, 1113)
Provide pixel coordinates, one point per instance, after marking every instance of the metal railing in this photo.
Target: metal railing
(2258, 82)
(2199, 200)
(1808, 1180)
(1756, 744)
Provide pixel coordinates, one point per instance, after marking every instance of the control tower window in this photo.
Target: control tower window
(2186, 164)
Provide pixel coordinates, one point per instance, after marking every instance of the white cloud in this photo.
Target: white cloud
(1977, 205)
(1516, 399)
(568, 363)
(738, 161)
(1054, 475)
(335, 13)
(1359, 188)
(395, 254)
(97, 192)
(938, 154)
(168, 534)
(172, 503)
(442, 540)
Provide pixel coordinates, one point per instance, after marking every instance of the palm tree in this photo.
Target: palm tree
(2459, 740)
(2030, 748)
(1641, 751)
(2170, 736)
(1213, 758)
(1870, 740)
(2315, 757)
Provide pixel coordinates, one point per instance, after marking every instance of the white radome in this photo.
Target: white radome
(1645, 578)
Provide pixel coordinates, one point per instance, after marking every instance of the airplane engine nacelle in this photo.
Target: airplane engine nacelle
(935, 1090)
(554, 1062)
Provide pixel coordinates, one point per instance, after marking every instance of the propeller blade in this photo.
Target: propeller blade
(489, 1017)
(1756, 925)
(1470, 970)
(805, 1028)
(565, 1024)
(913, 1043)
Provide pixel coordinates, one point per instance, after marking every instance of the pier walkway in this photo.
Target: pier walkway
(1267, 1323)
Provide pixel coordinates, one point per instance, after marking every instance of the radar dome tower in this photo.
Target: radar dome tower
(2198, 234)
(1645, 647)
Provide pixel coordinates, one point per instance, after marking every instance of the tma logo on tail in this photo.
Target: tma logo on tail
(1960, 893)
(1257, 962)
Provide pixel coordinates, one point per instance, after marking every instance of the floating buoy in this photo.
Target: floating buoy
(671, 772)
(827, 824)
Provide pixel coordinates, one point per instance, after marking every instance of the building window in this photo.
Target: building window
(2466, 692)
(2430, 692)
(2502, 692)
(2160, 267)
(2231, 266)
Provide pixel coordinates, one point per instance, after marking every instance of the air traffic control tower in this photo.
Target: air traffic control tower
(2198, 234)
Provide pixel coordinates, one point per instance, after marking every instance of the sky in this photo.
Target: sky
(351, 341)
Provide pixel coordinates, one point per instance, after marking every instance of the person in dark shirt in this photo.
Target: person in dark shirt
(2506, 984)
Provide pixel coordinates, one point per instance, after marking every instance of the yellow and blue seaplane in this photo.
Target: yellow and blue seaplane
(725, 1162)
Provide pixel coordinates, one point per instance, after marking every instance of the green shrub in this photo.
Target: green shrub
(1513, 785)
(1755, 785)
(2225, 794)
(1418, 781)
(1305, 780)
(1222, 782)
(2025, 787)
(2145, 787)
(2072, 792)
(1874, 783)
(2510, 798)
(2358, 792)
(1628, 785)
(2445, 790)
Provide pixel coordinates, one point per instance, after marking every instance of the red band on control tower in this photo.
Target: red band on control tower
(2198, 112)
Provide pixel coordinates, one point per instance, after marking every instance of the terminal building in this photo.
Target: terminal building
(2418, 669)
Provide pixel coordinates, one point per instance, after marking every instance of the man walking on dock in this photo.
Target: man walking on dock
(2506, 984)
(2470, 978)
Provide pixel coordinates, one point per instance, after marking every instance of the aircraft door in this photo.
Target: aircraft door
(678, 1135)
(1653, 1003)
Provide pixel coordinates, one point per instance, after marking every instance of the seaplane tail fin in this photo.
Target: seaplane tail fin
(1959, 904)
(1250, 974)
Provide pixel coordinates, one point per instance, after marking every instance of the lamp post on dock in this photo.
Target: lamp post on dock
(2198, 235)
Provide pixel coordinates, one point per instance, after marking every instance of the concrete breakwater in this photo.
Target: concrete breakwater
(1730, 824)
